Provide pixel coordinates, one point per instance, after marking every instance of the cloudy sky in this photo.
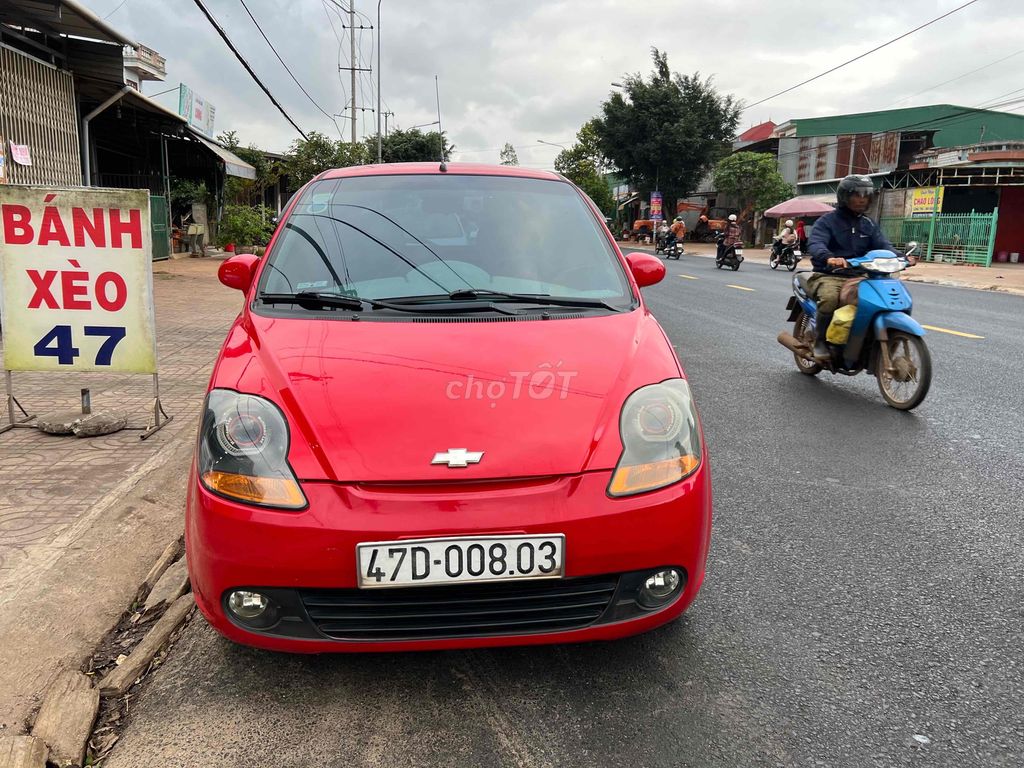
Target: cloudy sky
(527, 70)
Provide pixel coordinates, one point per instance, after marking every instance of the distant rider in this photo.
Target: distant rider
(842, 234)
(786, 237)
(731, 236)
(677, 231)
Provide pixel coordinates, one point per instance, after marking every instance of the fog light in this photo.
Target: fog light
(248, 606)
(660, 588)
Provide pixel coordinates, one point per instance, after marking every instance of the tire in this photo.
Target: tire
(792, 265)
(799, 331)
(913, 362)
(718, 264)
(773, 261)
(735, 266)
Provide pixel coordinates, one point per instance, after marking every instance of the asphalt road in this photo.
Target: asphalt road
(863, 605)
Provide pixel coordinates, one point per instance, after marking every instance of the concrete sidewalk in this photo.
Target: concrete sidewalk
(83, 519)
(1007, 278)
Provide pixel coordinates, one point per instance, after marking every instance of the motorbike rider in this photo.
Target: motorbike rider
(663, 232)
(677, 230)
(842, 234)
(786, 237)
(731, 236)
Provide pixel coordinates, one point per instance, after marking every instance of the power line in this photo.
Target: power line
(115, 10)
(248, 69)
(286, 69)
(861, 56)
(958, 77)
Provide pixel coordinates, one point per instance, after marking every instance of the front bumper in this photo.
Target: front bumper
(311, 554)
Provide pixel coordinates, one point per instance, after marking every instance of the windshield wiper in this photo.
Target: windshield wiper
(318, 300)
(530, 298)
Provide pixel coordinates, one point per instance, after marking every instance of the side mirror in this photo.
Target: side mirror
(911, 247)
(646, 269)
(238, 271)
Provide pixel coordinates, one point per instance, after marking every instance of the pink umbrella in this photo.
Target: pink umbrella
(798, 206)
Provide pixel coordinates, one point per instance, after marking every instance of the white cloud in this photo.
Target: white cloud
(519, 71)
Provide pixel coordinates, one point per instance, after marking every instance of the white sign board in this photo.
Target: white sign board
(196, 110)
(77, 277)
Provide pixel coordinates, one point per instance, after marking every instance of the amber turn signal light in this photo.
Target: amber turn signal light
(635, 478)
(268, 491)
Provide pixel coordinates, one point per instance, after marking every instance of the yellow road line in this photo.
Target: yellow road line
(954, 333)
(690, 277)
(739, 287)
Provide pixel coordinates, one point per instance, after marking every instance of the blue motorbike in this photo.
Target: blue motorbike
(884, 339)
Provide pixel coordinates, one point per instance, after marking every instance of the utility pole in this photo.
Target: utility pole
(380, 141)
(352, 60)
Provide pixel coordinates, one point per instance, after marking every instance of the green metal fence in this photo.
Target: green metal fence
(957, 238)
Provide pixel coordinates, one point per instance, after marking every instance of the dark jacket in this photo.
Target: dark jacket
(843, 233)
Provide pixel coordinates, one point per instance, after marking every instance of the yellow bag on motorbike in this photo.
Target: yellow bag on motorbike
(839, 329)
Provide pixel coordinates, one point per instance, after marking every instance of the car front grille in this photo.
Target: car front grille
(459, 610)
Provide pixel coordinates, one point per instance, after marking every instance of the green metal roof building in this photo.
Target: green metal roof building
(952, 125)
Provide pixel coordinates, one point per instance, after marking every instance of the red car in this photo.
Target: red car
(445, 419)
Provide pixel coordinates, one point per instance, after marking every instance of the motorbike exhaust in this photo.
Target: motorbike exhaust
(788, 340)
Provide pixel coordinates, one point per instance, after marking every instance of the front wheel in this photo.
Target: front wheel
(773, 261)
(791, 265)
(909, 376)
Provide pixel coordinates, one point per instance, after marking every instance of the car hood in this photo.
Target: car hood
(376, 401)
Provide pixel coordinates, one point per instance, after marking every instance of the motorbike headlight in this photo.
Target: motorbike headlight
(884, 265)
(660, 439)
(243, 451)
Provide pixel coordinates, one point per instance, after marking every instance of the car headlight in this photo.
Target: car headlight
(243, 451)
(660, 438)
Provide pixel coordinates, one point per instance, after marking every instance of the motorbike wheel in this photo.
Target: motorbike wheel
(791, 265)
(718, 263)
(773, 261)
(735, 266)
(802, 332)
(907, 383)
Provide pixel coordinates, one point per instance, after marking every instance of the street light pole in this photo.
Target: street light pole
(380, 146)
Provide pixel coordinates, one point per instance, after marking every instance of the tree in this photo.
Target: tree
(309, 157)
(508, 155)
(668, 131)
(249, 191)
(410, 146)
(585, 166)
(753, 178)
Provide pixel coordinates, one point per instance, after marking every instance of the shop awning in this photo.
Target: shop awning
(60, 17)
(233, 164)
(627, 201)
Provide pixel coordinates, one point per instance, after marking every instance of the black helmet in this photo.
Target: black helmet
(853, 185)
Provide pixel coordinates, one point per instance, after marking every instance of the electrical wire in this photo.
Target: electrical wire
(958, 77)
(244, 63)
(861, 56)
(115, 10)
(286, 68)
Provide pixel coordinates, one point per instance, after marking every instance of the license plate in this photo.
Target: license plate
(451, 560)
(739, 251)
(797, 253)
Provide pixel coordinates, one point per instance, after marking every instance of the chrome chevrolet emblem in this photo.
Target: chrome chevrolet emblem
(458, 457)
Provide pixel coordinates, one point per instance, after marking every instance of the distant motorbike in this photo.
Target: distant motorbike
(786, 255)
(660, 242)
(728, 255)
(674, 249)
(883, 338)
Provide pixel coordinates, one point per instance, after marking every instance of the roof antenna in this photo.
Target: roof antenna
(440, 133)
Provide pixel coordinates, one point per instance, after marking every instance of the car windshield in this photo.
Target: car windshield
(403, 236)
